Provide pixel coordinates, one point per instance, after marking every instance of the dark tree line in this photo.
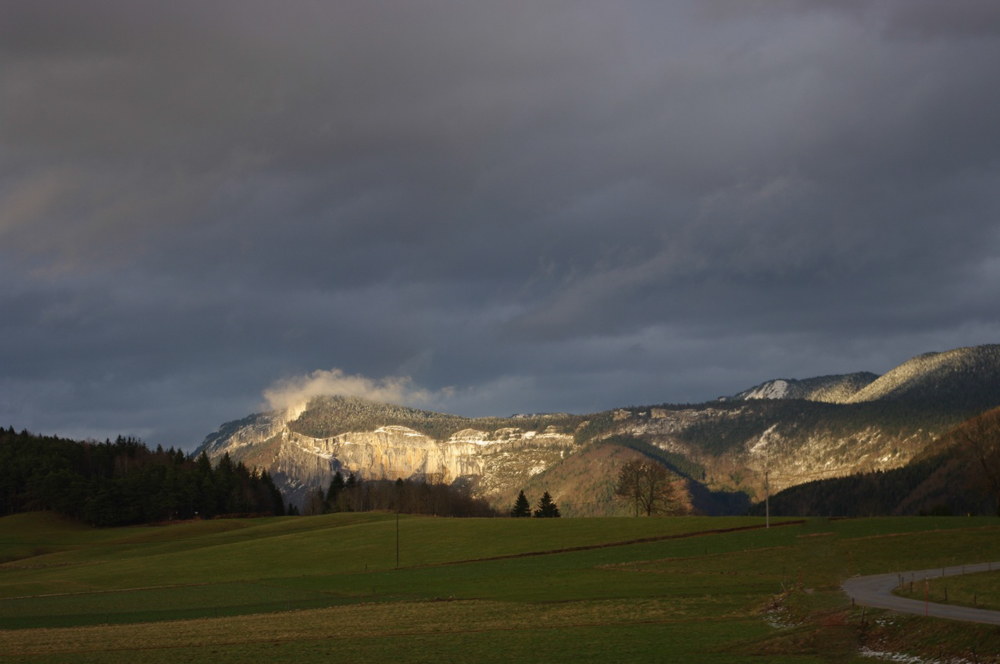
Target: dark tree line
(407, 496)
(939, 485)
(124, 482)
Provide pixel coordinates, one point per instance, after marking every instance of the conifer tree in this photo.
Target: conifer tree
(546, 508)
(521, 506)
(333, 492)
(354, 499)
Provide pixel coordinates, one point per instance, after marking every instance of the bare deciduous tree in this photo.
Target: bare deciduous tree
(981, 437)
(648, 486)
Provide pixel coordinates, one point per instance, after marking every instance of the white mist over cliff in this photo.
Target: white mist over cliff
(292, 395)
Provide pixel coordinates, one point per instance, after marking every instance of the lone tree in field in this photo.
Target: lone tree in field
(521, 506)
(547, 508)
(647, 485)
(981, 437)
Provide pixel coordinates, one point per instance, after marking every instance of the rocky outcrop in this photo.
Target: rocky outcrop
(248, 432)
(490, 460)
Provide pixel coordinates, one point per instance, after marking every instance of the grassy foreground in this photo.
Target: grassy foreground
(614, 589)
(978, 590)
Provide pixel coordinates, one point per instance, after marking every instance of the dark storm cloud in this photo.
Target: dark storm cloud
(533, 206)
(926, 18)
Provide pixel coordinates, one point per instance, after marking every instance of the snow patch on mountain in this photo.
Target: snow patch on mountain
(775, 389)
(830, 389)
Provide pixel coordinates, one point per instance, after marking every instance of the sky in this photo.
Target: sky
(208, 209)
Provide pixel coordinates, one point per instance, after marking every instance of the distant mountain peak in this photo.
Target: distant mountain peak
(830, 389)
(963, 377)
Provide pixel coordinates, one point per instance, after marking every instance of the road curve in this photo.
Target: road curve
(876, 591)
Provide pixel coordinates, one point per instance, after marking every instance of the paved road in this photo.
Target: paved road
(876, 591)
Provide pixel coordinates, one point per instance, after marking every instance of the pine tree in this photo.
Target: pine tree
(521, 506)
(333, 492)
(352, 491)
(547, 508)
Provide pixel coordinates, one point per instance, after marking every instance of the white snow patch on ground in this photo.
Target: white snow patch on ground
(471, 436)
(760, 447)
(393, 428)
(777, 618)
(902, 658)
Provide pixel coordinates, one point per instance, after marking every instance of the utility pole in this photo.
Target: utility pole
(399, 506)
(767, 499)
(763, 447)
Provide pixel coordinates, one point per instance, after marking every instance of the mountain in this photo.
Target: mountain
(829, 389)
(966, 378)
(377, 441)
(792, 431)
(946, 478)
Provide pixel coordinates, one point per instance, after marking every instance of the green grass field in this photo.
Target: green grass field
(979, 590)
(612, 589)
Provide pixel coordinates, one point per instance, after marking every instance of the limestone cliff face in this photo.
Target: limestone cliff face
(488, 460)
(389, 452)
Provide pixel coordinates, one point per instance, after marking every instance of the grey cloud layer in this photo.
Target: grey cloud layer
(556, 206)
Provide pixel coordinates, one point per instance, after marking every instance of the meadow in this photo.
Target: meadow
(596, 589)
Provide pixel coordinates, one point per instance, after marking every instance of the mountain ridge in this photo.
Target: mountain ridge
(926, 377)
(828, 426)
(921, 378)
(835, 388)
(945, 478)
